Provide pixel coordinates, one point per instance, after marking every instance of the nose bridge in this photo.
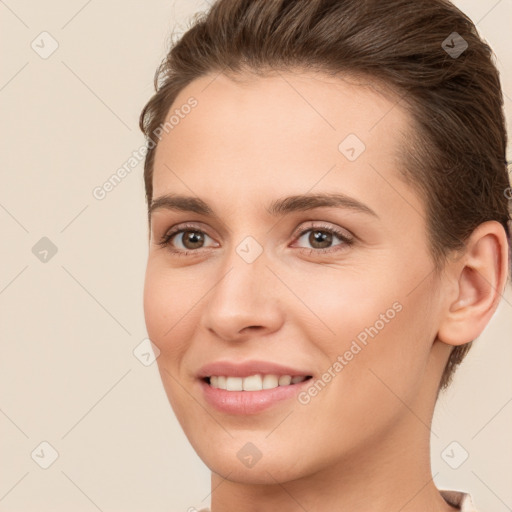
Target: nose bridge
(242, 295)
(244, 274)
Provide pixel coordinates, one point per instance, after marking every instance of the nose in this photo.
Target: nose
(245, 300)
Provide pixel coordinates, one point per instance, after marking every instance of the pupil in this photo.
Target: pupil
(194, 238)
(321, 237)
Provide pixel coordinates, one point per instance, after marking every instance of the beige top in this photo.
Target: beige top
(461, 500)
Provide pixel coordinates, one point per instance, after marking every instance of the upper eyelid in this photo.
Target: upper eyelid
(318, 224)
(322, 225)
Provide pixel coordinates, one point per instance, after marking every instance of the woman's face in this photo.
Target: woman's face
(341, 291)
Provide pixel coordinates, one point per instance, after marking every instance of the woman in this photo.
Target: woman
(329, 231)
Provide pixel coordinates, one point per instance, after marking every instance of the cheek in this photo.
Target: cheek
(347, 304)
(169, 327)
(374, 334)
(388, 368)
(155, 306)
(166, 312)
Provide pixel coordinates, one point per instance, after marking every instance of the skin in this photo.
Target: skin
(363, 442)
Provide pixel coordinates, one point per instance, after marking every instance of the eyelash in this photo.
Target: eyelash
(166, 238)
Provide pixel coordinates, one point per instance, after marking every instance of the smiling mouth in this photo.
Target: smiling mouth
(257, 382)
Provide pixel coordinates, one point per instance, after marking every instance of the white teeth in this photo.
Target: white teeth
(285, 380)
(270, 381)
(254, 382)
(234, 383)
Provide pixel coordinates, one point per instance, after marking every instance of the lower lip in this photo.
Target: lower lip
(249, 402)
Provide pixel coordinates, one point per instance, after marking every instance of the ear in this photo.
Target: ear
(475, 283)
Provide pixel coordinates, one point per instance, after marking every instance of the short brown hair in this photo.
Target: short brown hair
(456, 158)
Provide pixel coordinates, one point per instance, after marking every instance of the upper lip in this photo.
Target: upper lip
(247, 368)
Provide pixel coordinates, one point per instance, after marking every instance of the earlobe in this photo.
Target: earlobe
(479, 278)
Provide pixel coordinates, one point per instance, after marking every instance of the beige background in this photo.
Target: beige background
(69, 326)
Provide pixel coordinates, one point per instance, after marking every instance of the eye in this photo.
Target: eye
(321, 238)
(184, 239)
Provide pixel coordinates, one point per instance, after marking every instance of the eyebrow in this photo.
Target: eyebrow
(278, 207)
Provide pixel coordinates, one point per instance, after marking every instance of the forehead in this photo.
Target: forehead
(290, 132)
(303, 105)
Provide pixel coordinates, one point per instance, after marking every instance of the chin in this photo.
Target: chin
(244, 464)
